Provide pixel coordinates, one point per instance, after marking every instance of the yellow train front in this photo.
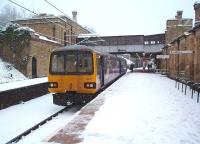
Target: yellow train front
(77, 73)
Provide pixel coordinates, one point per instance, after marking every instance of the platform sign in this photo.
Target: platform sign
(162, 56)
(181, 52)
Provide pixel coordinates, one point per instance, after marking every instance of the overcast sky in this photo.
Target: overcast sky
(116, 17)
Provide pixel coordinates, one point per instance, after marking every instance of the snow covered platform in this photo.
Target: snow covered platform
(139, 108)
(22, 83)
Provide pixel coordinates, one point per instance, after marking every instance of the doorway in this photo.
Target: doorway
(34, 67)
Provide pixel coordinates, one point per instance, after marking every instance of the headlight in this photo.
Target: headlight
(90, 85)
(53, 85)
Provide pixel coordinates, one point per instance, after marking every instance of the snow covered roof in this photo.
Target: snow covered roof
(25, 28)
(46, 39)
(52, 17)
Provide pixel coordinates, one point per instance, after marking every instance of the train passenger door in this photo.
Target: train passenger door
(100, 70)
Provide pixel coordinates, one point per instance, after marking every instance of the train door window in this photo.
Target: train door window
(57, 63)
(98, 65)
(85, 62)
(117, 66)
(99, 68)
(105, 65)
(71, 63)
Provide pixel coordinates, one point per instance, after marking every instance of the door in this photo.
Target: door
(34, 67)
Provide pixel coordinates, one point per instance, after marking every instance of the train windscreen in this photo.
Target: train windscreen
(71, 63)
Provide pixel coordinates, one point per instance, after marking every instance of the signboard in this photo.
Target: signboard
(181, 52)
(162, 56)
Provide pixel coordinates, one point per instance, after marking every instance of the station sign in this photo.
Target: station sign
(162, 56)
(181, 52)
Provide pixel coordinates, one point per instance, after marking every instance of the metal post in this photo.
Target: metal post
(65, 39)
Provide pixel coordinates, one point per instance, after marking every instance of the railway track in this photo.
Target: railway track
(15, 96)
(25, 133)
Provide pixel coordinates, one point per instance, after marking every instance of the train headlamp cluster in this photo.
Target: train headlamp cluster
(53, 85)
(90, 85)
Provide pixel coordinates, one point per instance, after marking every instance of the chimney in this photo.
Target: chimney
(74, 14)
(179, 14)
(197, 13)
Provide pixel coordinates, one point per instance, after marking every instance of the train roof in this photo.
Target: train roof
(72, 47)
(81, 48)
(77, 48)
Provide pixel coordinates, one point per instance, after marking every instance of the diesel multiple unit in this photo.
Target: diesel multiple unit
(77, 73)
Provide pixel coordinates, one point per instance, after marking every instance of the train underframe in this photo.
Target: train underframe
(65, 99)
(72, 97)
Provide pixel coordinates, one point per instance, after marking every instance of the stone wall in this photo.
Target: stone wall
(183, 47)
(184, 56)
(197, 55)
(38, 50)
(55, 28)
(177, 26)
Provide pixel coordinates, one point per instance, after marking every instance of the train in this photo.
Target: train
(77, 73)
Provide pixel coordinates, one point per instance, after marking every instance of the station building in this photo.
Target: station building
(139, 47)
(183, 49)
(179, 36)
(59, 28)
(49, 32)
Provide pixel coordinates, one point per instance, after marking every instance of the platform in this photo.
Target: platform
(139, 108)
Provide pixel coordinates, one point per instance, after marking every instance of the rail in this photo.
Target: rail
(20, 136)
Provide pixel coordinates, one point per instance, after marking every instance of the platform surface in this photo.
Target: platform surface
(139, 108)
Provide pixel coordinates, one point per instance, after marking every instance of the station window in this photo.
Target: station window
(153, 42)
(146, 42)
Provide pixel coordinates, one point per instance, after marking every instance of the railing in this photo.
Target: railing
(184, 81)
(161, 71)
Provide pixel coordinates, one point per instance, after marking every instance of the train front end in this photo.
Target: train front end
(72, 76)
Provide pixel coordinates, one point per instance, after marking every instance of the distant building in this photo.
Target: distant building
(50, 32)
(183, 47)
(59, 28)
(138, 46)
(177, 26)
(126, 43)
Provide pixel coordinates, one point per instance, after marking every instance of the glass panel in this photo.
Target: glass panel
(84, 62)
(71, 63)
(58, 63)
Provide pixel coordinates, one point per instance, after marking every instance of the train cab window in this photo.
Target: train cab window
(57, 63)
(84, 62)
(71, 63)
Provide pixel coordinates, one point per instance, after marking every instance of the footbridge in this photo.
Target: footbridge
(126, 44)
